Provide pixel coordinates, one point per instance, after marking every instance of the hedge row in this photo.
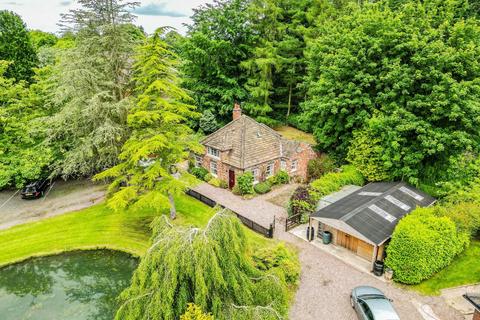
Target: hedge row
(422, 244)
(334, 181)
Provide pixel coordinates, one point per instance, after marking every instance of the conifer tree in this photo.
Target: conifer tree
(160, 136)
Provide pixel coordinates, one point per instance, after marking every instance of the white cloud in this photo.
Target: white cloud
(45, 14)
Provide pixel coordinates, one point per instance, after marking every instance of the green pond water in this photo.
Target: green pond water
(74, 286)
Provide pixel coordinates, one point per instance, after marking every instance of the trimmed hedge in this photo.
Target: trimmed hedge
(422, 245)
(218, 183)
(334, 181)
(262, 187)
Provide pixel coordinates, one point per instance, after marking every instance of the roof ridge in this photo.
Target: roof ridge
(219, 131)
(242, 143)
(365, 205)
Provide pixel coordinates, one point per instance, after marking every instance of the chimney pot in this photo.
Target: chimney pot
(237, 111)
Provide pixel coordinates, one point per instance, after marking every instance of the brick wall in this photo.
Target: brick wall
(476, 315)
(303, 156)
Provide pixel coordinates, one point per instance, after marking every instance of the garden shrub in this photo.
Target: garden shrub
(272, 181)
(236, 190)
(199, 172)
(262, 187)
(422, 245)
(319, 166)
(334, 181)
(208, 177)
(245, 183)
(465, 215)
(282, 177)
(219, 183)
(301, 202)
(280, 257)
(194, 312)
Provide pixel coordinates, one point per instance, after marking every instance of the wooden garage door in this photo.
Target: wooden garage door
(347, 241)
(365, 250)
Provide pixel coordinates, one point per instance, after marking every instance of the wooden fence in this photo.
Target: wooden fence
(267, 232)
(293, 221)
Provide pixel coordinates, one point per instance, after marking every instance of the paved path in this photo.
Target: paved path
(64, 197)
(326, 281)
(256, 209)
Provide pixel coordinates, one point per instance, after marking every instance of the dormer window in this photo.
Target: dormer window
(213, 152)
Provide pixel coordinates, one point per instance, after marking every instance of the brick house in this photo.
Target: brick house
(247, 145)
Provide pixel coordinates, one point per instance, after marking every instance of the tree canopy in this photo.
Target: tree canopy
(16, 47)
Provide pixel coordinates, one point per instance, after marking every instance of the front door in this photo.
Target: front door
(231, 179)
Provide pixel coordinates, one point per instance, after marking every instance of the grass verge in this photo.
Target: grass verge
(465, 269)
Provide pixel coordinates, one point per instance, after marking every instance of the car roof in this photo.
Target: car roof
(382, 309)
(362, 290)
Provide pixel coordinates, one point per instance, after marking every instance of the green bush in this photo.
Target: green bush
(301, 202)
(465, 215)
(280, 258)
(334, 181)
(208, 177)
(282, 177)
(236, 190)
(422, 245)
(262, 187)
(319, 166)
(245, 183)
(219, 183)
(199, 172)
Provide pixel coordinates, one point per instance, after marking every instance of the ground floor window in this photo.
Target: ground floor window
(198, 161)
(294, 165)
(283, 165)
(213, 168)
(256, 175)
(269, 171)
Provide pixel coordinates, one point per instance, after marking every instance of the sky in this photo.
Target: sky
(45, 14)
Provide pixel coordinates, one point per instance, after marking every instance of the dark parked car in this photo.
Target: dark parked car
(35, 189)
(371, 304)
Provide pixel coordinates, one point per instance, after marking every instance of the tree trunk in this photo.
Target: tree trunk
(173, 210)
(289, 103)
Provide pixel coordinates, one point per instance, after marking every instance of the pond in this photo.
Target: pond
(79, 285)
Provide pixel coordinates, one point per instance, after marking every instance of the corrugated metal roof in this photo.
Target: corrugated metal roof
(375, 209)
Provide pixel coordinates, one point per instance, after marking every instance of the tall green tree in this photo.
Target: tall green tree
(160, 135)
(22, 156)
(408, 79)
(94, 87)
(15, 46)
(217, 41)
(208, 267)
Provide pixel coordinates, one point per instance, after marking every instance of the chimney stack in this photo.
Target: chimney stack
(237, 111)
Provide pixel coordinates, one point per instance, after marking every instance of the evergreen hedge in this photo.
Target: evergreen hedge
(423, 244)
(334, 181)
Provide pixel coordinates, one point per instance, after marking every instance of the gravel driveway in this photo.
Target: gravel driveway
(63, 197)
(326, 281)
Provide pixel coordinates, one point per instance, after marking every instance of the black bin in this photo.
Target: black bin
(310, 233)
(378, 268)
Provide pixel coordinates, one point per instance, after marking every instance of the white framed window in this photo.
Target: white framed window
(213, 168)
(256, 175)
(283, 164)
(269, 171)
(213, 152)
(198, 161)
(294, 165)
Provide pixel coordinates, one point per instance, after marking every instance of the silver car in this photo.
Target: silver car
(371, 304)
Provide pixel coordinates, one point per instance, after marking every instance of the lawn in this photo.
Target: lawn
(465, 269)
(295, 134)
(99, 227)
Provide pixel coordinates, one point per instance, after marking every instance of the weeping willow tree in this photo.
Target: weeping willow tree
(208, 267)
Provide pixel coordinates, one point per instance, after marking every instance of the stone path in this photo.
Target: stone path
(326, 281)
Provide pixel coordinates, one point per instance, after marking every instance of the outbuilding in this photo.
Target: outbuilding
(364, 220)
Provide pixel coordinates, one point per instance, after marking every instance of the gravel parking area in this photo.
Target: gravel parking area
(326, 281)
(65, 196)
